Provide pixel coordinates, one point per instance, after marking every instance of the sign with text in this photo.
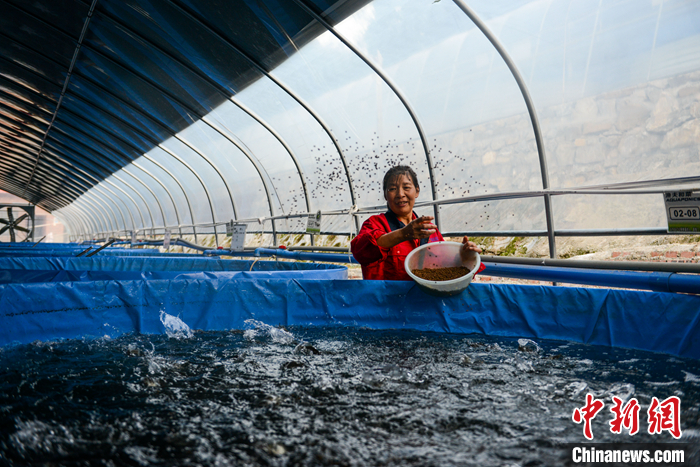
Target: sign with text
(313, 226)
(237, 234)
(683, 211)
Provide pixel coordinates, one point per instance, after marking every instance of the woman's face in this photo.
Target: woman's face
(401, 195)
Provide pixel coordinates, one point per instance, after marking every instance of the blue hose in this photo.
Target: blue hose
(655, 281)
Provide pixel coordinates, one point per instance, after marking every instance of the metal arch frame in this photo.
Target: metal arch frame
(258, 167)
(184, 106)
(11, 182)
(111, 220)
(533, 117)
(172, 200)
(99, 109)
(65, 85)
(69, 224)
(138, 76)
(183, 141)
(95, 218)
(66, 221)
(141, 168)
(63, 154)
(82, 218)
(117, 136)
(116, 224)
(204, 185)
(162, 213)
(78, 160)
(104, 206)
(187, 199)
(75, 182)
(61, 157)
(73, 224)
(224, 93)
(304, 6)
(262, 70)
(24, 145)
(70, 185)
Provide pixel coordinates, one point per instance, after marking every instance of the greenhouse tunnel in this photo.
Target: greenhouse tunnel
(137, 120)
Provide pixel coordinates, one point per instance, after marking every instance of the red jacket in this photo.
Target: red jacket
(379, 263)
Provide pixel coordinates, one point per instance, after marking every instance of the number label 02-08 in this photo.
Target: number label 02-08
(683, 211)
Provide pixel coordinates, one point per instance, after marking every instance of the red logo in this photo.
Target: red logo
(663, 416)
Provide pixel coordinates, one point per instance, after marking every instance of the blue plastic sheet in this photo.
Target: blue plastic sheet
(659, 322)
(168, 264)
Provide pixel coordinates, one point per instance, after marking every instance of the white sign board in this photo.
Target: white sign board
(313, 226)
(237, 234)
(133, 237)
(166, 239)
(683, 211)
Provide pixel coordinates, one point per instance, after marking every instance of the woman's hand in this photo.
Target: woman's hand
(420, 227)
(468, 246)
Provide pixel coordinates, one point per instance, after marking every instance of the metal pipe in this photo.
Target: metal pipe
(585, 264)
(655, 281)
(531, 110)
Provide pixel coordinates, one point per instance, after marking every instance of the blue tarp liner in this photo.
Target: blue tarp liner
(75, 251)
(161, 263)
(653, 321)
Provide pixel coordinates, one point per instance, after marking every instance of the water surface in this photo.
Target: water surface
(321, 396)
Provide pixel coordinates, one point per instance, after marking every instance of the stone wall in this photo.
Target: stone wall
(645, 132)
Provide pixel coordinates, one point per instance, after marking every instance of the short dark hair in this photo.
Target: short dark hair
(394, 173)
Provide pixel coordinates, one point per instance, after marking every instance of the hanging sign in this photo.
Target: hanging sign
(313, 226)
(166, 239)
(133, 237)
(237, 234)
(683, 211)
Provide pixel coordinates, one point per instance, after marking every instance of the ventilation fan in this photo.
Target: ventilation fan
(16, 223)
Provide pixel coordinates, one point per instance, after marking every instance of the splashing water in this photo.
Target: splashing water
(174, 327)
(277, 335)
(335, 396)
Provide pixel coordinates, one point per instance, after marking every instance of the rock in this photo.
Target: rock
(589, 154)
(586, 110)
(687, 134)
(662, 116)
(597, 127)
(630, 115)
(690, 90)
(488, 158)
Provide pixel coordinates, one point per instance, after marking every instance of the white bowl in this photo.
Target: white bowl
(442, 255)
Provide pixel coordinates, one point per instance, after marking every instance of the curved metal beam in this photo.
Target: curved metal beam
(421, 134)
(162, 213)
(225, 94)
(172, 200)
(187, 199)
(65, 85)
(174, 98)
(531, 110)
(193, 16)
(111, 219)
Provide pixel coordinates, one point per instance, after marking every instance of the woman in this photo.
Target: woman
(386, 239)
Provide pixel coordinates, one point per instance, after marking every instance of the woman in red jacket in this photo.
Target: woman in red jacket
(386, 239)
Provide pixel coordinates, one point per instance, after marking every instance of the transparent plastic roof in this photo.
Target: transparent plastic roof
(183, 115)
